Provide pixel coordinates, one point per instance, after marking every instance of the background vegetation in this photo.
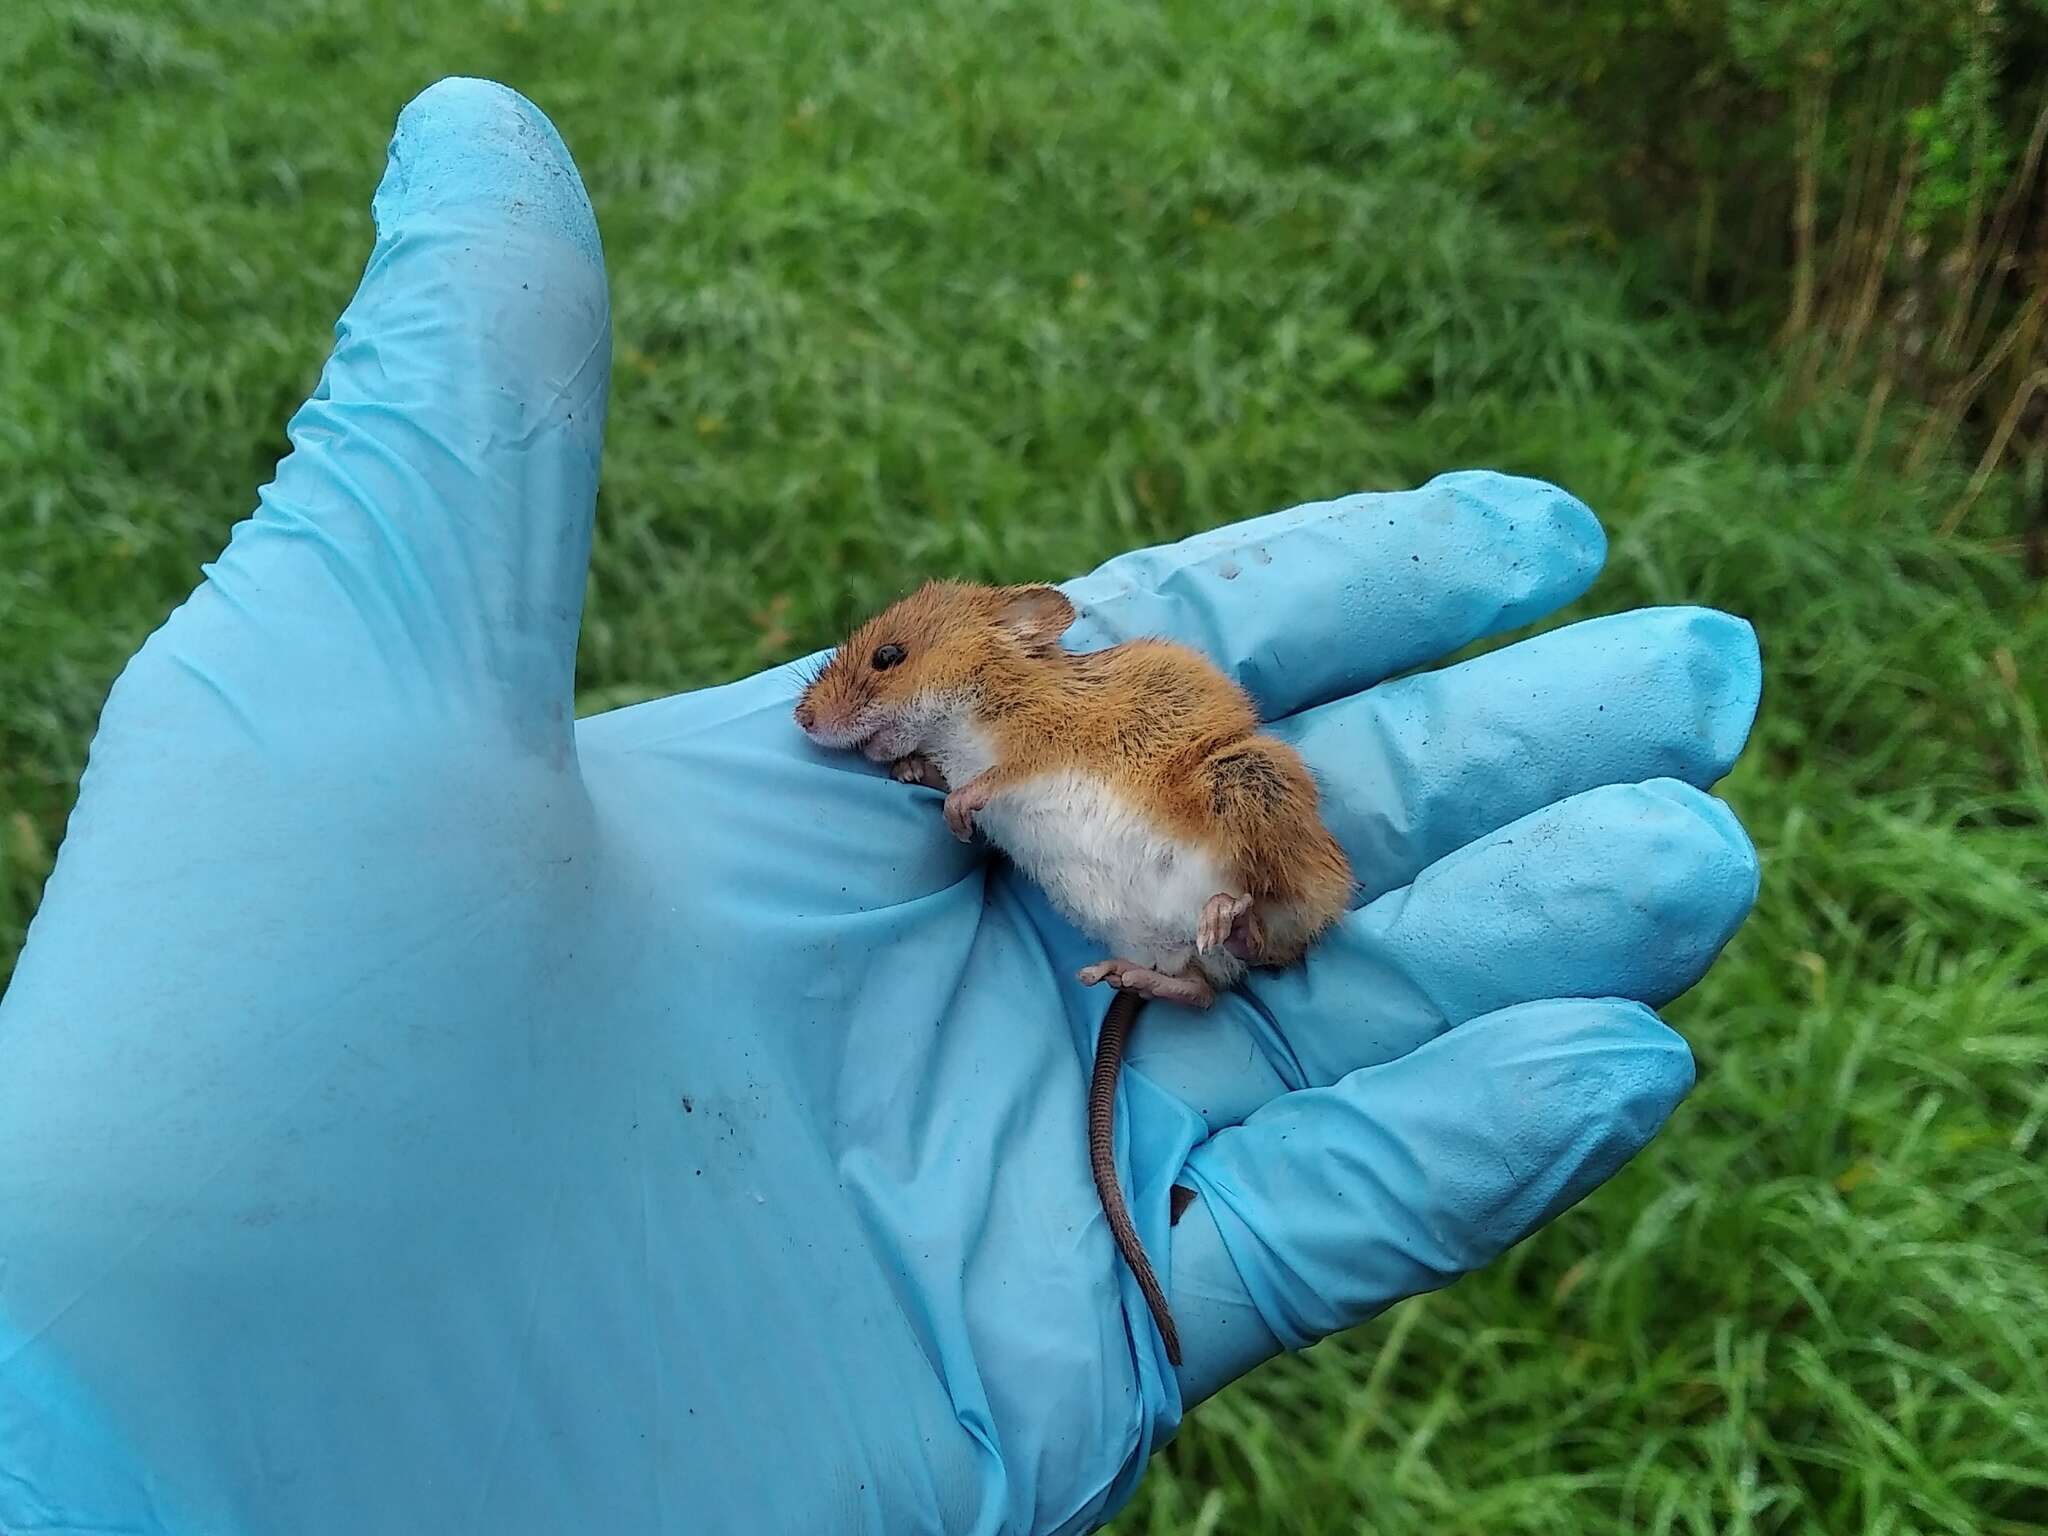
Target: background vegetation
(1866, 173)
(1002, 288)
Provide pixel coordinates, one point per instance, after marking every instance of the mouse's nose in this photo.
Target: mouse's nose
(806, 716)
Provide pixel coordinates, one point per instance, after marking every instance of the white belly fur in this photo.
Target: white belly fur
(1106, 866)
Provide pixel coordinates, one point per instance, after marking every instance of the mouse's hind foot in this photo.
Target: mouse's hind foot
(1192, 990)
(1227, 922)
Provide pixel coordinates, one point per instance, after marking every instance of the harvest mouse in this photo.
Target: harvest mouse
(1132, 784)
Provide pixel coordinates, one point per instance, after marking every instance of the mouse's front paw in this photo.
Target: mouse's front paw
(964, 802)
(960, 817)
(918, 769)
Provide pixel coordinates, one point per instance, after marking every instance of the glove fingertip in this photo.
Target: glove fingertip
(1536, 512)
(469, 141)
(1646, 1072)
(1703, 862)
(1725, 661)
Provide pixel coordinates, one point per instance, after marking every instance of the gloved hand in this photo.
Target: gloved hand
(423, 1112)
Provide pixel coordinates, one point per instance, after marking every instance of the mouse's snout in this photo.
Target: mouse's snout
(835, 710)
(824, 717)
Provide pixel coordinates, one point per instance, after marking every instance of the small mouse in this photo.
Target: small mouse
(1132, 784)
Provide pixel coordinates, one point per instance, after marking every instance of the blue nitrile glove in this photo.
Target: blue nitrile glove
(420, 1112)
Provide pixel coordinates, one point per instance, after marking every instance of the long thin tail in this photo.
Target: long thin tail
(1109, 1060)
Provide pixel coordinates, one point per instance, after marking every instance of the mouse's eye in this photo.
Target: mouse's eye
(886, 657)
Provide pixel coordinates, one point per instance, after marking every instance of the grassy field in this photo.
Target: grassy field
(1001, 289)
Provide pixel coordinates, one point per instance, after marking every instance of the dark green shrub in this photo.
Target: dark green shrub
(1864, 175)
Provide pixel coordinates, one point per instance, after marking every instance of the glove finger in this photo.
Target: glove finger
(1420, 766)
(1625, 891)
(1319, 601)
(1331, 1204)
(421, 554)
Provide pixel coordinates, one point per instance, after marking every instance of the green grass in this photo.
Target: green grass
(999, 290)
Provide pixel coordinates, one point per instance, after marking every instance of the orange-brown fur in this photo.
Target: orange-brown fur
(1157, 720)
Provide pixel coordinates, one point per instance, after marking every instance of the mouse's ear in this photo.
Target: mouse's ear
(1038, 616)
